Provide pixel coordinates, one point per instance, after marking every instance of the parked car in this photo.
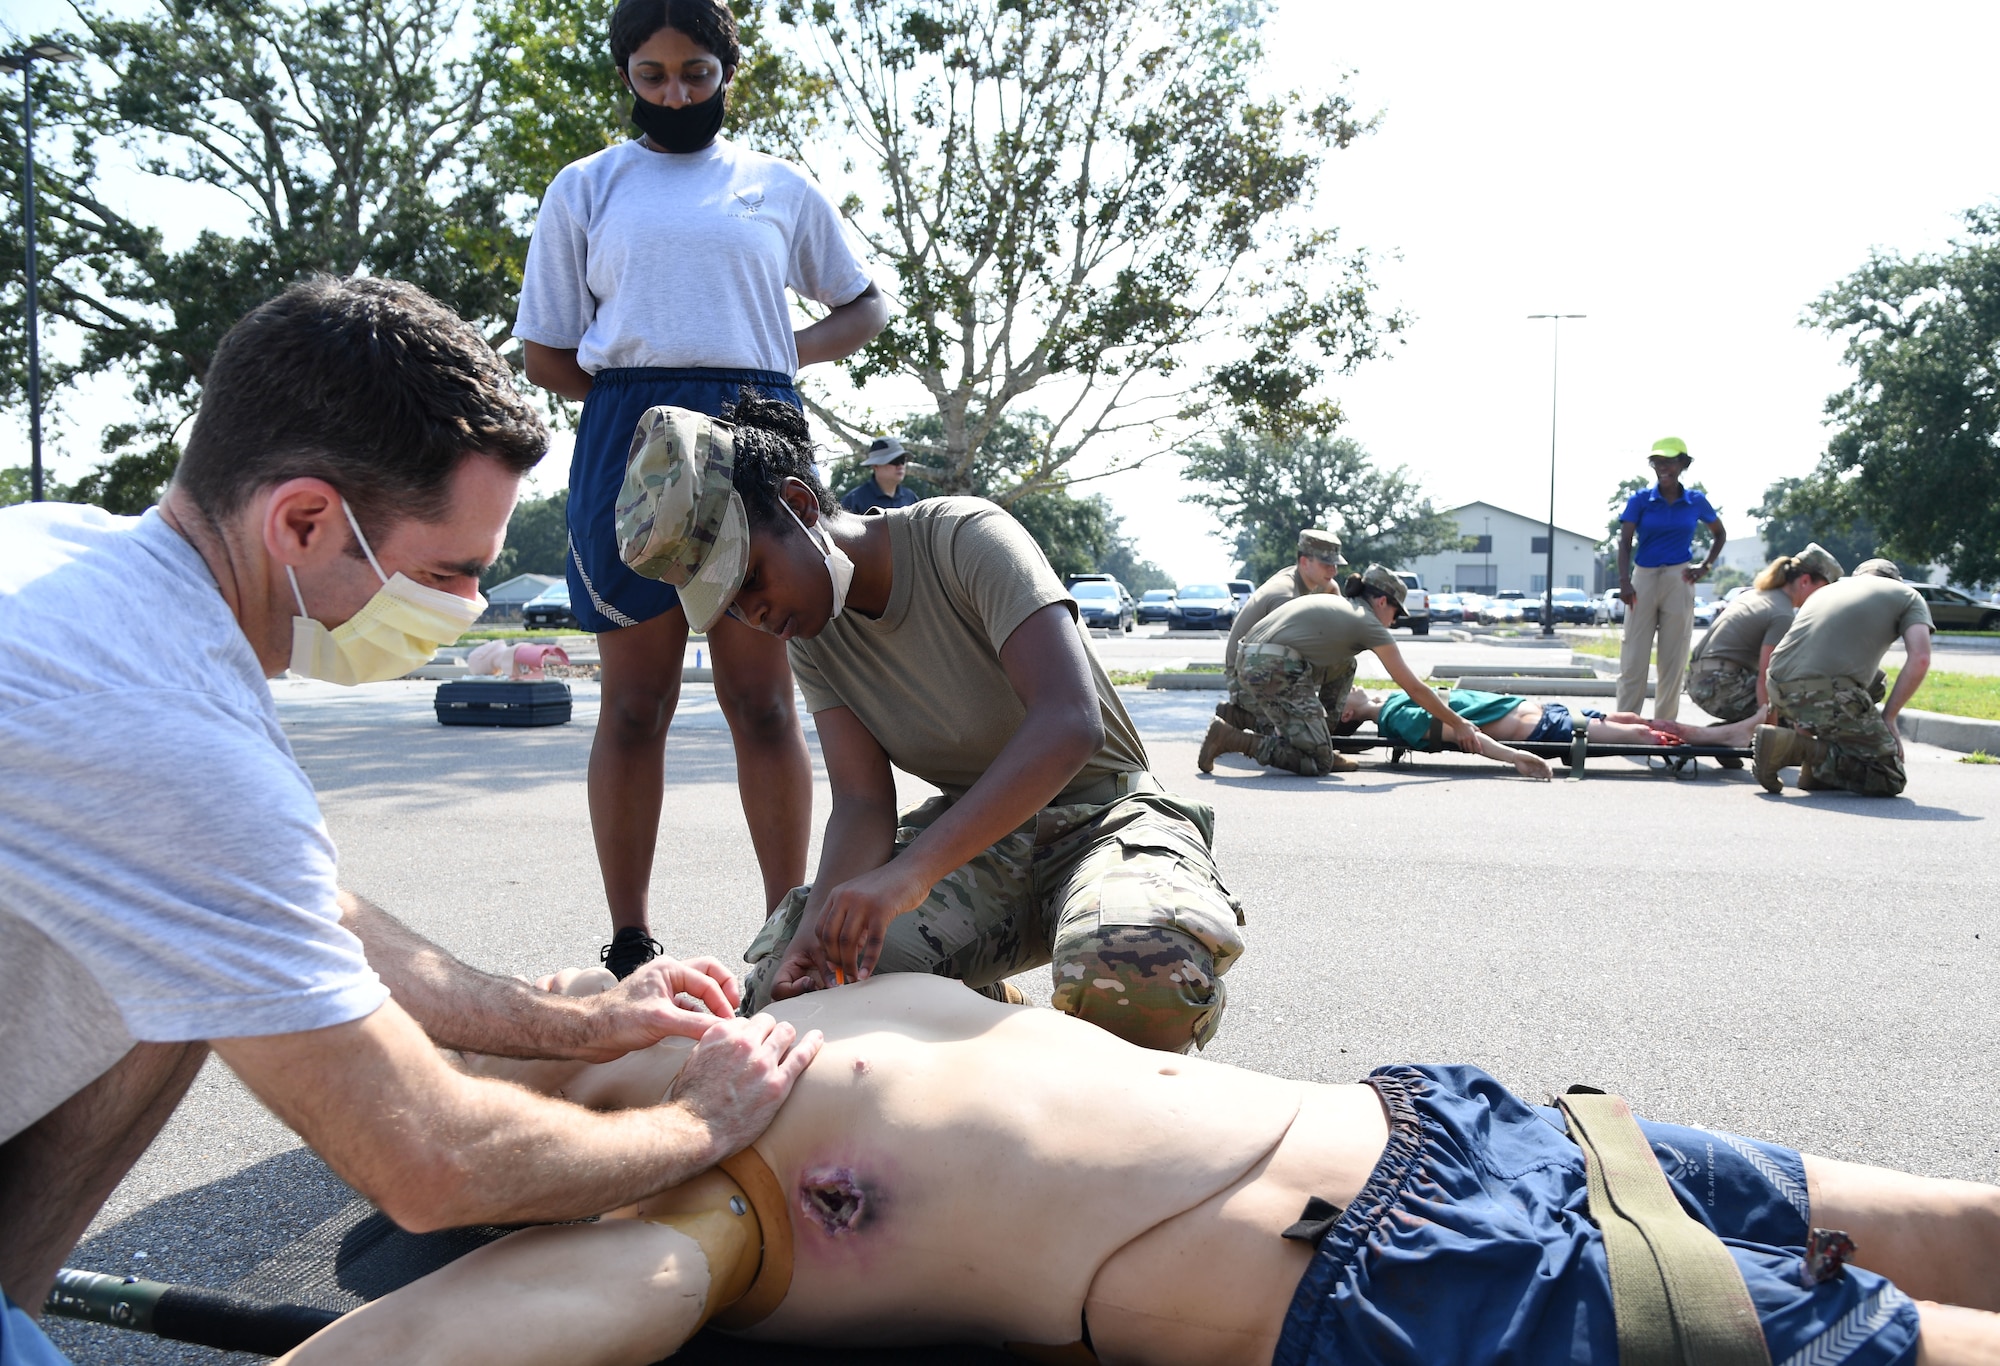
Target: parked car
(1504, 608)
(550, 609)
(1241, 589)
(1572, 605)
(1705, 612)
(1202, 607)
(1952, 610)
(1471, 605)
(1153, 604)
(1104, 604)
(1447, 607)
(1610, 608)
(1416, 602)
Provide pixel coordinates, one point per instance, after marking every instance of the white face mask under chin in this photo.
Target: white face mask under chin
(838, 567)
(396, 630)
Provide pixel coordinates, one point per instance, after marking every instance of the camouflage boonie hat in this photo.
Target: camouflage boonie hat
(1321, 545)
(1817, 559)
(1377, 576)
(1881, 569)
(679, 517)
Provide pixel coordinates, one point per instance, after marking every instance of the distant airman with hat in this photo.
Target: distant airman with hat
(886, 463)
(1316, 571)
(1305, 649)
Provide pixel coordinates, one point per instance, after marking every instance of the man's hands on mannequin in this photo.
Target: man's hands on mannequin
(435, 1148)
(477, 1012)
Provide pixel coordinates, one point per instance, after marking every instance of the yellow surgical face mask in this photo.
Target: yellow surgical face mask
(395, 631)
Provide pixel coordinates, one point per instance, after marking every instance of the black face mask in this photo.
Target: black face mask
(687, 129)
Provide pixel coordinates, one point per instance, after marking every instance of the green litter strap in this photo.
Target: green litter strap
(1676, 1294)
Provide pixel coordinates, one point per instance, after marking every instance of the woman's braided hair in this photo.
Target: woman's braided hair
(773, 444)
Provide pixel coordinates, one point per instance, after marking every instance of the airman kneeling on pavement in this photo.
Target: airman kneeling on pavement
(1824, 719)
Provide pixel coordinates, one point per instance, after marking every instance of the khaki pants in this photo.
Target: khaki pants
(1665, 606)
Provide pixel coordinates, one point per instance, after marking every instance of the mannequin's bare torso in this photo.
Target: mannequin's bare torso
(960, 1170)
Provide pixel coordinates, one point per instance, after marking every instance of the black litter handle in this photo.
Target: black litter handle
(185, 1313)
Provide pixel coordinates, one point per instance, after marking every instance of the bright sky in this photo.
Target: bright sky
(1690, 178)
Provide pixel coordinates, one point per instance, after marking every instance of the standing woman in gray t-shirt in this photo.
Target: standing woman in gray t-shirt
(657, 275)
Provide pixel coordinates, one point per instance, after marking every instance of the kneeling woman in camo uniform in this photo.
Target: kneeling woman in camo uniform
(1305, 650)
(935, 639)
(1825, 717)
(1726, 675)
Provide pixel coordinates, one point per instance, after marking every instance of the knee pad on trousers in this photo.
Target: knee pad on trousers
(1148, 984)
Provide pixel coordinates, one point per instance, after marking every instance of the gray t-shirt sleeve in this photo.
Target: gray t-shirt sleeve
(556, 306)
(1775, 627)
(1916, 612)
(186, 865)
(812, 683)
(823, 266)
(1002, 574)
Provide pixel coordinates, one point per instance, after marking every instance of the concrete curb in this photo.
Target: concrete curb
(1203, 682)
(1962, 733)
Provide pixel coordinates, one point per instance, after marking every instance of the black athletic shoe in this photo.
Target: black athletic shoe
(629, 950)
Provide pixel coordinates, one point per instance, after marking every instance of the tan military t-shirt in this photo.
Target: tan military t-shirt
(1758, 618)
(925, 677)
(1271, 594)
(1326, 628)
(1845, 628)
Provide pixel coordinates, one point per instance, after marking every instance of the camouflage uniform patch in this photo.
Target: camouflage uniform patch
(1121, 899)
(1282, 694)
(1723, 688)
(1332, 697)
(1860, 748)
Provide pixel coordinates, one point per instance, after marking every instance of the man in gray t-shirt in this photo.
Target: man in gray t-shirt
(167, 885)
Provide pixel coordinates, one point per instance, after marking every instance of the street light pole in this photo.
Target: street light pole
(1549, 570)
(24, 61)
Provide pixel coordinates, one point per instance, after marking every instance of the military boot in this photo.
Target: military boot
(1236, 716)
(1331, 761)
(1777, 747)
(1223, 738)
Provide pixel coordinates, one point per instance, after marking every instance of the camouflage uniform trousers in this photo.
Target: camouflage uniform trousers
(1332, 697)
(1723, 688)
(1122, 899)
(1860, 748)
(1284, 697)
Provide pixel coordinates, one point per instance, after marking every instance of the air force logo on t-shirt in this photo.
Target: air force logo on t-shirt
(748, 203)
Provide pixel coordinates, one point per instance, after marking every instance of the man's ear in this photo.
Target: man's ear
(302, 523)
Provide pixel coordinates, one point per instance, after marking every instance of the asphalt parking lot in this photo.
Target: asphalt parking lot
(1816, 969)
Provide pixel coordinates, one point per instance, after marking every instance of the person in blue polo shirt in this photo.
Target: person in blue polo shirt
(1659, 590)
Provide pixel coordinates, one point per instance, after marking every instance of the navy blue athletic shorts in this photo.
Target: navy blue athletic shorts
(603, 593)
(1472, 1244)
(1557, 726)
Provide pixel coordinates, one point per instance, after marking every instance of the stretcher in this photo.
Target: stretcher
(1574, 754)
(358, 1255)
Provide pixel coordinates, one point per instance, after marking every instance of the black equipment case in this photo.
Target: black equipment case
(498, 702)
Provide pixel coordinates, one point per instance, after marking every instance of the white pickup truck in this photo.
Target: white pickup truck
(1417, 603)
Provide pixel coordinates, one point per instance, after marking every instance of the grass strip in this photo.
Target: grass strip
(1954, 694)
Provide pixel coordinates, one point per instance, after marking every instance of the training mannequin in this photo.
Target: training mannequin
(955, 1170)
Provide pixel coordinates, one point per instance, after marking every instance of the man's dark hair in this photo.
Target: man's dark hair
(709, 22)
(773, 444)
(369, 384)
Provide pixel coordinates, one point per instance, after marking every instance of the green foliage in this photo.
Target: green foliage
(1079, 535)
(16, 485)
(1797, 512)
(344, 134)
(1085, 192)
(1619, 497)
(1269, 489)
(537, 540)
(1726, 577)
(1916, 445)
